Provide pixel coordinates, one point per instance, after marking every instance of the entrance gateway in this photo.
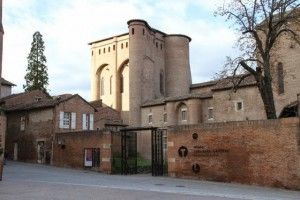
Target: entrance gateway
(132, 157)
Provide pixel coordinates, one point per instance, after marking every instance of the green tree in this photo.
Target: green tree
(37, 76)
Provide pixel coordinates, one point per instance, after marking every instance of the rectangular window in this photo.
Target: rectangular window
(210, 113)
(239, 106)
(67, 120)
(87, 121)
(165, 118)
(92, 157)
(22, 123)
(280, 76)
(183, 114)
(150, 120)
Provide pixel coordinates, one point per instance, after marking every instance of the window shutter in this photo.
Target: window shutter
(84, 122)
(73, 121)
(91, 121)
(61, 119)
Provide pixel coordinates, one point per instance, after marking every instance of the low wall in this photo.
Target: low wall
(68, 150)
(265, 153)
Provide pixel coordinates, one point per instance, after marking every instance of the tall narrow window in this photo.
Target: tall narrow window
(161, 82)
(165, 118)
(143, 31)
(22, 124)
(150, 119)
(132, 31)
(104, 50)
(121, 84)
(92, 53)
(126, 44)
(211, 113)
(108, 49)
(99, 51)
(110, 85)
(183, 114)
(102, 86)
(280, 76)
(114, 47)
(122, 46)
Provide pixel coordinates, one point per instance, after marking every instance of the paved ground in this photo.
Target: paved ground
(30, 181)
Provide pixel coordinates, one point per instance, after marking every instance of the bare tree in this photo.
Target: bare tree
(260, 25)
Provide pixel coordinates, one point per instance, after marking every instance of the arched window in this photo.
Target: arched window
(121, 84)
(161, 82)
(102, 86)
(110, 85)
(280, 77)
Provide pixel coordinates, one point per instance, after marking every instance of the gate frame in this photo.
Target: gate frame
(157, 151)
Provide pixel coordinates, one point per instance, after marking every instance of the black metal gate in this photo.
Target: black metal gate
(128, 152)
(157, 153)
(126, 162)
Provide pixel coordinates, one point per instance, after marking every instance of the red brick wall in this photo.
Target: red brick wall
(76, 105)
(252, 152)
(73, 153)
(27, 139)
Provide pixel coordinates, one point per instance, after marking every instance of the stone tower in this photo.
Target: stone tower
(1, 41)
(157, 66)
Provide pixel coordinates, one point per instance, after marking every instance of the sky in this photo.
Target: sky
(68, 25)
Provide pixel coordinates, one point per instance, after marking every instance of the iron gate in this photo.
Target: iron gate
(125, 162)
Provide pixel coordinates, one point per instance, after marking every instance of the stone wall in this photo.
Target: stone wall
(2, 141)
(69, 149)
(263, 153)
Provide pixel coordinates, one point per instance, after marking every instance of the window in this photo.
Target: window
(122, 46)
(211, 113)
(183, 114)
(110, 85)
(92, 53)
(114, 47)
(161, 46)
(99, 51)
(108, 49)
(150, 119)
(121, 84)
(165, 118)
(88, 122)
(143, 31)
(161, 82)
(239, 106)
(92, 157)
(156, 45)
(126, 44)
(67, 120)
(22, 123)
(280, 77)
(132, 31)
(102, 86)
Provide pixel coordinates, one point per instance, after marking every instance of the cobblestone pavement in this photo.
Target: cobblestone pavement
(32, 181)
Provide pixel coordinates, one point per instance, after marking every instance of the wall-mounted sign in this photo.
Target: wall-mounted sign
(196, 168)
(183, 151)
(195, 136)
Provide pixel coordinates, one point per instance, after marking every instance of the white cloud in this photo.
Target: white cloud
(67, 27)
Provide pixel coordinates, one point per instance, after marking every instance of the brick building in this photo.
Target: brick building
(145, 75)
(33, 119)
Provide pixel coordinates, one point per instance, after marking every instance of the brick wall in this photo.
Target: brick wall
(25, 98)
(72, 154)
(77, 105)
(263, 153)
(38, 127)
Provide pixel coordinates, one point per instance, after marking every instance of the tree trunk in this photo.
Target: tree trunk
(266, 92)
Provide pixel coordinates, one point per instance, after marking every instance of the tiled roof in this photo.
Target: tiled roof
(204, 84)
(6, 82)
(161, 101)
(227, 83)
